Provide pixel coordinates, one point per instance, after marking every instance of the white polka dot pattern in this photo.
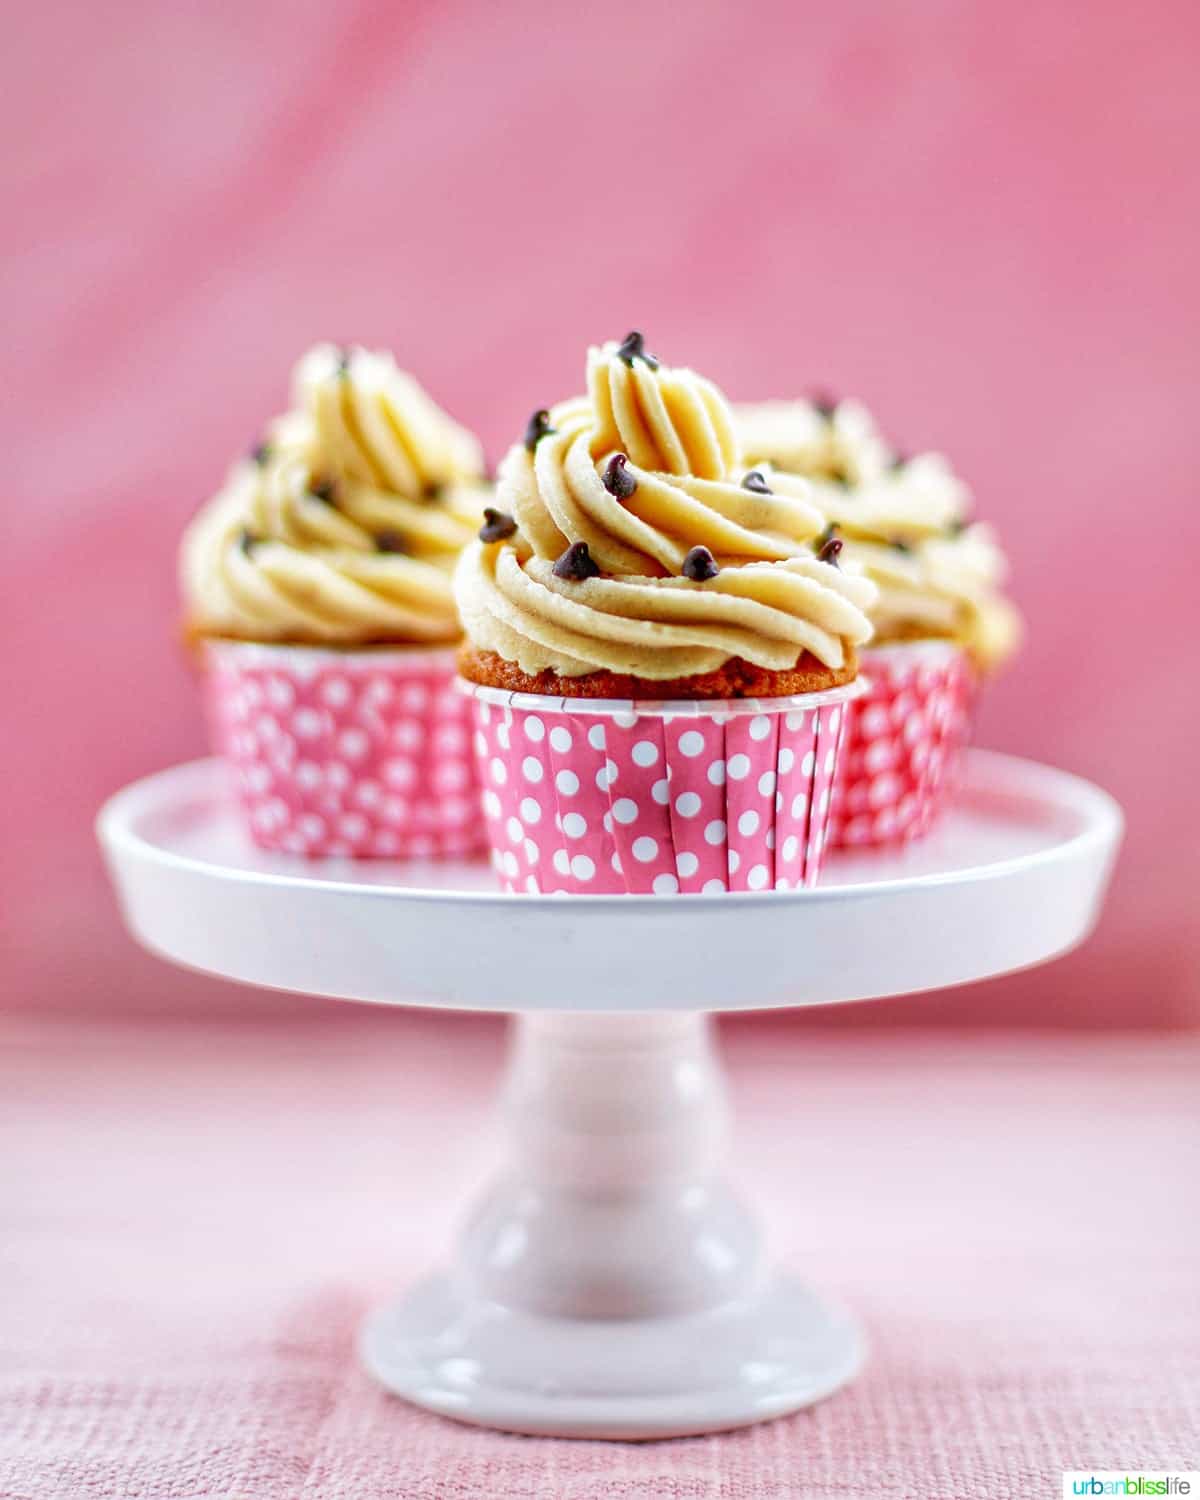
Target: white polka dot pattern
(904, 743)
(646, 806)
(367, 755)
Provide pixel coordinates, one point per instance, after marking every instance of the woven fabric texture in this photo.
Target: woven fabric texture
(195, 1219)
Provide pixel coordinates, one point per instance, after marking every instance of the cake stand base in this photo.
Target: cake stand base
(640, 1378)
(610, 1284)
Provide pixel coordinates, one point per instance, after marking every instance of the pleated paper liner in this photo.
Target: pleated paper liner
(905, 738)
(361, 753)
(618, 797)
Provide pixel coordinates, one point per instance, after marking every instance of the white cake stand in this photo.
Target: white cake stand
(610, 1284)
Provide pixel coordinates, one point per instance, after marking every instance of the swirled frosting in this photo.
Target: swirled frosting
(904, 522)
(375, 425)
(834, 441)
(344, 526)
(639, 613)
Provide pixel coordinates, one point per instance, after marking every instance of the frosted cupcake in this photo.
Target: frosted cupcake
(318, 585)
(659, 647)
(940, 618)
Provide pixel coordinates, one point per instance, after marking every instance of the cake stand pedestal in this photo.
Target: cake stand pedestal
(611, 1284)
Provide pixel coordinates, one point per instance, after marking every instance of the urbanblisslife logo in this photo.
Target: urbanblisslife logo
(1121, 1482)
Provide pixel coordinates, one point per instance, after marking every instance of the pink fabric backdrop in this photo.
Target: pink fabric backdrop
(984, 224)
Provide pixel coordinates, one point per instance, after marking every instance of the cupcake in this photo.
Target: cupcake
(317, 586)
(941, 622)
(659, 647)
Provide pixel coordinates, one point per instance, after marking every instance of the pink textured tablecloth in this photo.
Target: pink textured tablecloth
(195, 1218)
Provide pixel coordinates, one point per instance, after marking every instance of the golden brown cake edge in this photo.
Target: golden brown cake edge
(735, 679)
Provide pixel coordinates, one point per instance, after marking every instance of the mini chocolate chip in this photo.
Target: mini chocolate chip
(900, 544)
(829, 550)
(755, 483)
(260, 454)
(633, 346)
(324, 489)
(618, 480)
(247, 540)
(497, 524)
(823, 402)
(389, 541)
(538, 428)
(826, 536)
(700, 565)
(576, 563)
(432, 491)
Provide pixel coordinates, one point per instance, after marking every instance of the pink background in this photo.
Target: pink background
(982, 221)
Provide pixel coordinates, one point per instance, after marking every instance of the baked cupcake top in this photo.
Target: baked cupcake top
(343, 526)
(904, 521)
(628, 538)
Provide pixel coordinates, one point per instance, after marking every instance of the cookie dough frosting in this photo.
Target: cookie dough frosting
(343, 526)
(824, 439)
(638, 544)
(376, 426)
(905, 523)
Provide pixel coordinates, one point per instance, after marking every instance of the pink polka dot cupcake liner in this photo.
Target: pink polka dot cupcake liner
(365, 753)
(905, 738)
(587, 797)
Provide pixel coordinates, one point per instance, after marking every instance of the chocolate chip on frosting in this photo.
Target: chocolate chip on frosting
(823, 402)
(576, 564)
(828, 551)
(538, 428)
(755, 483)
(247, 540)
(633, 346)
(389, 541)
(700, 565)
(831, 530)
(618, 480)
(324, 489)
(497, 525)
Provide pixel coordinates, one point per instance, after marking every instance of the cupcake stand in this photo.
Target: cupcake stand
(611, 1284)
